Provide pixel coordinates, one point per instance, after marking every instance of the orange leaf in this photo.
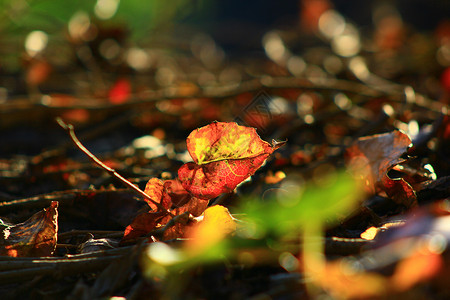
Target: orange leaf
(34, 237)
(224, 154)
(155, 189)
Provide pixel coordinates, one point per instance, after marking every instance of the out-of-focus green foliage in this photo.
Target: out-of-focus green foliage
(327, 203)
(141, 20)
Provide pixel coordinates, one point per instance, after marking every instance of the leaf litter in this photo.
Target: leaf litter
(355, 204)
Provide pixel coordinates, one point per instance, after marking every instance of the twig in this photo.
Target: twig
(96, 233)
(252, 85)
(27, 270)
(70, 130)
(43, 200)
(177, 219)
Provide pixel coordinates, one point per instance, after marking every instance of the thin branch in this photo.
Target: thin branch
(111, 171)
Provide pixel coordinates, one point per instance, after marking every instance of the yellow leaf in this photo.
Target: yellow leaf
(217, 223)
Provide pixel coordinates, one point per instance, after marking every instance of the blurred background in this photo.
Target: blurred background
(45, 37)
(89, 60)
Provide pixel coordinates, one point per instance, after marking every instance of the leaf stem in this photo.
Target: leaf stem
(69, 128)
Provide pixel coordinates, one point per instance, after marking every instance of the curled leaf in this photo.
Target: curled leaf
(373, 156)
(35, 237)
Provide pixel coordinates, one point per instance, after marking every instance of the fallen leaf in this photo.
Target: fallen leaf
(217, 223)
(178, 195)
(224, 154)
(400, 191)
(36, 236)
(373, 156)
(155, 189)
(142, 225)
(194, 206)
(148, 221)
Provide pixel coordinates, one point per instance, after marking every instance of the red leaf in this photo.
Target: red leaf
(224, 155)
(34, 237)
(210, 180)
(400, 191)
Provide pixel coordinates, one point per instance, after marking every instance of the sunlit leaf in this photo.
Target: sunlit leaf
(155, 189)
(220, 140)
(35, 237)
(216, 224)
(224, 154)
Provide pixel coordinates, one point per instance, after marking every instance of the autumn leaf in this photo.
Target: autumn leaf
(155, 189)
(171, 192)
(142, 224)
(35, 237)
(194, 206)
(224, 154)
(373, 156)
(217, 223)
(178, 195)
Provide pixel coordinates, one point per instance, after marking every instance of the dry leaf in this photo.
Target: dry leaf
(217, 223)
(34, 237)
(224, 154)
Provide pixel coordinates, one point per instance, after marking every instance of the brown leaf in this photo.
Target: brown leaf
(142, 224)
(373, 156)
(195, 207)
(34, 237)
